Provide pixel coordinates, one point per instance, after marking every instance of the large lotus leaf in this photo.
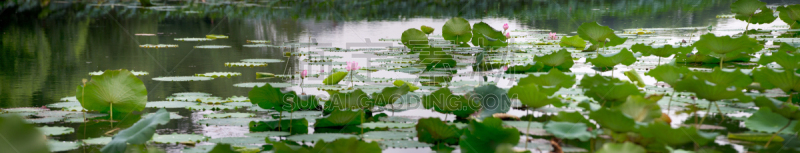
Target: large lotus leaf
(434, 130)
(414, 38)
(118, 88)
(21, 136)
(663, 51)
(567, 130)
(745, 10)
(349, 145)
(709, 91)
(599, 36)
(351, 100)
(295, 126)
(389, 95)
(482, 137)
(443, 101)
(640, 108)
(530, 96)
(288, 146)
(788, 81)
(785, 109)
(457, 29)
(141, 132)
(268, 97)
(764, 120)
(661, 132)
(725, 78)
(613, 119)
(669, 74)
(561, 60)
(411, 87)
(492, 100)
(791, 15)
(339, 118)
(574, 41)
(426, 29)
(436, 59)
(551, 82)
(319, 137)
(607, 61)
(485, 36)
(572, 117)
(786, 47)
(334, 78)
(626, 147)
(706, 58)
(612, 94)
(709, 43)
(530, 67)
(595, 80)
(788, 61)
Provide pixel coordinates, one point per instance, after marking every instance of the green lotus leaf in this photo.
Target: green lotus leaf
(481, 137)
(669, 74)
(788, 61)
(426, 29)
(61, 146)
(745, 10)
(492, 100)
(266, 134)
(404, 144)
(114, 87)
(530, 96)
(349, 145)
(719, 46)
(389, 95)
(485, 36)
(457, 29)
(785, 109)
(228, 121)
(572, 117)
(664, 51)
(443, 101)
(614, 120)
(411, 87)
(22, 136)
(709, 91)
(434, 130)
(550, 82)
(436, 59)
(641, 109)
(183, 78)
(55, 130)
(531, 67)
(268, 97)
(599, 36)
(791, 15)
(413, 39)
(334, 78)
(567, 130)
(294, 126)
(229, 115)
(574, 41)
(352, 100)
(725, 78)
(141, 132)
(786, 47)
(608, 61)
(387, 135)
(339, 118)
(788, 81)
(170, 104)
(660, 132)
(706, 58)
(754, 137)
(764, 120)
(177, 138)
(634, 77)
(612, 94)
(626, 147)
(561, 60)
(238, 140)
(318, 137)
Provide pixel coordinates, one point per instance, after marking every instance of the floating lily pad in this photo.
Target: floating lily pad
(373, 125)
(55, 130)
(259, 84)
(44, 119)
(229, 121)
(158, 46)
(72, 98)
(230, 115)
(387, 135)
(238, 140)
(245, 64)
(219, 74)
(97, 141)
(263, 60)
(192, 94)
(172, 115)
(239, 104)
(183, 78)
(177, 138)
(328, 137)
(59, 146)
(193, 39)
(136, 73)
(212, 46)
(210, 107)
(404, 144)
(64, 104)
(23, 109)
(169, 104)
(265, 134)
(188, 98)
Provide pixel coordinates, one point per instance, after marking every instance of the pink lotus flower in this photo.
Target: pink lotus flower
(508, 35)
(505, 68)
(321, 70)
(303, 74)
(553, 36)
(352, 66)
(505, 26)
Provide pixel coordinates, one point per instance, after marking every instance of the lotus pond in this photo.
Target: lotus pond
(404, 76)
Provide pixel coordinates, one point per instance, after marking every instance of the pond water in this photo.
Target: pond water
(49, 47)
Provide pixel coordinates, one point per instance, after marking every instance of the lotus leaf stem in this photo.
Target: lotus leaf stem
(776, 133)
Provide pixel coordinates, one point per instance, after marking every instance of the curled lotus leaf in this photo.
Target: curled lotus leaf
(574, 41)
(599, 36)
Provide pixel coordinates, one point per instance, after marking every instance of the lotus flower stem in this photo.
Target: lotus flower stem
(721, 60)
(280, 119)
(669, 103)
(748, 25)
(776, 133)
(704, 116)
(291, 115)
(527, 130)
(111, 115)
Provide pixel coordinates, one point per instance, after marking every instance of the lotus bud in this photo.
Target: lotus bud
(508, 35)
(505, 26)
(505, 68)
(303, 74)
(553, 36)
